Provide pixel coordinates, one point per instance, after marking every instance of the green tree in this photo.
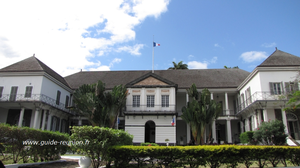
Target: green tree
(235, 67)
(200, 112)
(180, 65)
(99, 106)
(270, 133)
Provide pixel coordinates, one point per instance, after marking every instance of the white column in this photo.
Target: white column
(20, 124)
(143, 100)
(242, 126)
(255, 120)
(187, 98)
(36, 116)
(211, 96)
(284, 121)
(79, 121)
(229, 138)
(259, 118)
(157, 100)
(49, 121)
(247, 124)
(44, 120)
(265, 115)
(226, 104)
(188, 133)
(213, 130)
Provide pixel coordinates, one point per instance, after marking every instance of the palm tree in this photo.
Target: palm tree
(100, 107)
(200, 112)
(235, 67)
(180, 65)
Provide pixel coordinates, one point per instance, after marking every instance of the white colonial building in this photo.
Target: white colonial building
(32, 94)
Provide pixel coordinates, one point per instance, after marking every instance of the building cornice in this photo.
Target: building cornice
(267, 69)
(36, 73)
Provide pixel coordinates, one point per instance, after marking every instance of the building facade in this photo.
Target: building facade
(33, 95)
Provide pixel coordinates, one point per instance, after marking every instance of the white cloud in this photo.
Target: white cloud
(190, 56)
(268, 45)
(63, 34)
(217, 45)
(252, 56)
(197, 65)
(214, 60)
(133, 50)
(201, 65)
(100, 67)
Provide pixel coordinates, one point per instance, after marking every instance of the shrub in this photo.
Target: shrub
(97, 140)
(271, 133)
(25, 142)
(149, 144)
(247, 137)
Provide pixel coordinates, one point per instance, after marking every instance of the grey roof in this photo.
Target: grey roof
(281, 58)
(32, 64)
(203, 78)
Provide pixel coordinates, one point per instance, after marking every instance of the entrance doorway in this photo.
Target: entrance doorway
(150, 132)
(293, 128)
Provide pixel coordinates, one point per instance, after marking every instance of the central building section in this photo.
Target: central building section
(150, 114)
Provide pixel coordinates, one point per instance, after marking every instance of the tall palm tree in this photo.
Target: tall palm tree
(180, 65)
(100, 107)
(200, 112)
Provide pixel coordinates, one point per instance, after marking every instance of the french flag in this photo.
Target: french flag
(173, 122)
(155, 44)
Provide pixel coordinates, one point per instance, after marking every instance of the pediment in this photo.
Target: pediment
(150, 81)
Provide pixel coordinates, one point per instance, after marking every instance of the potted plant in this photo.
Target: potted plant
(181, 140)
(167, 141)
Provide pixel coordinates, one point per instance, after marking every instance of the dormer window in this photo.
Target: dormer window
(136, 101)
(165, 100)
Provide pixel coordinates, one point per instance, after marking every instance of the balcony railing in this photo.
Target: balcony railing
(261, 96)
(149, 108)
(33, 98)
(229, 113)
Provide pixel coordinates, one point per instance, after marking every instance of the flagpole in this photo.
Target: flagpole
(153, 55)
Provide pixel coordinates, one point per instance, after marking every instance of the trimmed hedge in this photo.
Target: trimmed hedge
(34, 144)
(149, 144)
(213, 156)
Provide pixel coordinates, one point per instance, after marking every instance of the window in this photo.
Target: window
(248, 96)
(28, 91)
(58, 97)
(67, 101)
(290, 87)
(13, 93)
(165, 100)
(150, 100)
(275, 88)
(1, 91)
(242, 100)
(136, 101)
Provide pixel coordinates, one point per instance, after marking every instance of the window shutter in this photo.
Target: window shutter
(296, 85)
(250, 98)
(1, 90)
(281, 88)
(287, 87)
(271, 88)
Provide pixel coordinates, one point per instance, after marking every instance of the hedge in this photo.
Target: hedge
(97, 140)
(34, 144)
(195, 156)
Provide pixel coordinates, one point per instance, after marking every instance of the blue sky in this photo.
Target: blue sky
(118, 35)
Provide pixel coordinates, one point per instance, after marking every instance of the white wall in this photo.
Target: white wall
(21, 82)
(157, 92)
(136, 127)
(50, 89)
(276, 76)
